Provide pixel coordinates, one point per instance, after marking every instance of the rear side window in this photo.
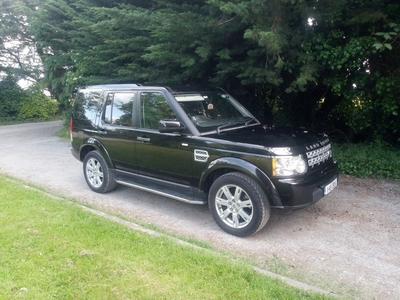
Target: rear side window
(119, 108)
(87, 105)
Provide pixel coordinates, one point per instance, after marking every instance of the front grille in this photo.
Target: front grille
(319, 154)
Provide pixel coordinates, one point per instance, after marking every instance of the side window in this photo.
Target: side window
(119, 108)
(107, 113)
(86, 105)
(153, 108)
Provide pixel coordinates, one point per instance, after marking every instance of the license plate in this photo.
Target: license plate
(330, 187)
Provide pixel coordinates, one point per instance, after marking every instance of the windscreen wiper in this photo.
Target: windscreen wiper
(249, 121)
(226, 125)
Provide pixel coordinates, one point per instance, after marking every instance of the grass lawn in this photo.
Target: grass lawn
(52, 249)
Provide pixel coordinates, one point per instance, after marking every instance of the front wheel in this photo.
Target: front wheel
(238, 204)
(98, 175)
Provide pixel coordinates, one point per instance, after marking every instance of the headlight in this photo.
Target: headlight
(288, 165)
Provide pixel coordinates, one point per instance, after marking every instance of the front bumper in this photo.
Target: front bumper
(299, 193)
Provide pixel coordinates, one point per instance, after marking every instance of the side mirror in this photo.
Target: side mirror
(170, 126)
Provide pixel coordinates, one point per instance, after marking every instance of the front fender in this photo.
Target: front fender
(92, 144)
(239, 165)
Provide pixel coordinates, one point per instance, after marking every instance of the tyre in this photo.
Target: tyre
(98, 176)
(238, 204)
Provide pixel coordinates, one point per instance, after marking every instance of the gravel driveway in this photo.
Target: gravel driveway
(348, 243)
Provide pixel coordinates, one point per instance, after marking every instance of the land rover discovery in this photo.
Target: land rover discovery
(200, 146)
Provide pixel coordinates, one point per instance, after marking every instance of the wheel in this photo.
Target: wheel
(98, 175)
(238, 204)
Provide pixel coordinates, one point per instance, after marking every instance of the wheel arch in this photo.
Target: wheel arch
(92, 144)
(225, 165)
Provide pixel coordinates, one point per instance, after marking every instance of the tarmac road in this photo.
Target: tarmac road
(348, 243)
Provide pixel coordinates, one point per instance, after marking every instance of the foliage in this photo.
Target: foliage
(371, 160)
(389, 38)
(18, 104)
(361, 84)
(43, 257)
(11, 95)
(316, 64)
(18, 56)
(37, 105)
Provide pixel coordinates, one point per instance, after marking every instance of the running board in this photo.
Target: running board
(164, 194)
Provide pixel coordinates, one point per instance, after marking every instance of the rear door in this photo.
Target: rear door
(117, 133)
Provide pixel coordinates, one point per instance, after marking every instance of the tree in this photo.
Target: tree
(85, 42)
(359, 83)
(11, 96)
(305, 63)
(18, 57)
(315, 61)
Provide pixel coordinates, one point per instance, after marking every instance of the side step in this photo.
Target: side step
(166, 193)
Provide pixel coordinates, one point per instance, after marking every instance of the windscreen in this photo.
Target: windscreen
(213, 110)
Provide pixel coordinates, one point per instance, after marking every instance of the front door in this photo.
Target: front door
(161, 155)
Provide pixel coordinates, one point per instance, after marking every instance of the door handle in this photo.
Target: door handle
(143, 139)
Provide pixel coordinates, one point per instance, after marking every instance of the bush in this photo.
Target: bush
(37, 105)
(11, 96)
(373, 160)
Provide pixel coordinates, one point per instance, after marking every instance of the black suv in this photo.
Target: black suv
(198, 145)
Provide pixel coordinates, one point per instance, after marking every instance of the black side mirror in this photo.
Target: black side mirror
(170, 126)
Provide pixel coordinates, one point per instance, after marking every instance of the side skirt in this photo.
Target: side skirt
(140, 182)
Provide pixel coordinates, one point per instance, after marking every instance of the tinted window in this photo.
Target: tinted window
(153, 108)
(119, 109)
(87, 105)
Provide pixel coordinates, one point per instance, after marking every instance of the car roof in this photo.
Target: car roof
(109, 86)
(174, 89)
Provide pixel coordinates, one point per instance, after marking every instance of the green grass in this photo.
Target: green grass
(373, 160)
(64, 133)
(52, 249)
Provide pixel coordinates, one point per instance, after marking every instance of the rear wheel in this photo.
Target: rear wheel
(98, 175)
(238, 204)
